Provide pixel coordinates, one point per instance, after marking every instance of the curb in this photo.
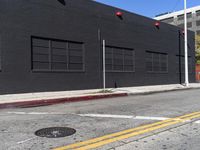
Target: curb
(45, 102)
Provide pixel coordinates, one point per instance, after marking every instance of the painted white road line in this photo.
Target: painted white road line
(123, 117)
(150, 118)
(130, 117)
(198, 121)
(98, 116)
(24, 141)
(36, 113)
(106, 116)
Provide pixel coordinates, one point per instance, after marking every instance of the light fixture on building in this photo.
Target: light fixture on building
(119, 14)
(157, 24)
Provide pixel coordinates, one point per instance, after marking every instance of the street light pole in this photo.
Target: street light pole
(185, 41)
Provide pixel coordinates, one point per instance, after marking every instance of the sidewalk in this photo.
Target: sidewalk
(157, 88)
(49, 98)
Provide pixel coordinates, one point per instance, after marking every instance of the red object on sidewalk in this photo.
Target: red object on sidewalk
(197, 72)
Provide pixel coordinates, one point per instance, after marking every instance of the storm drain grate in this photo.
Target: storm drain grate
(55, 132)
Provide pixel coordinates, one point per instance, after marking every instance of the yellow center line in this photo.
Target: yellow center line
(110, 138)
(191, 117)
(95, 145)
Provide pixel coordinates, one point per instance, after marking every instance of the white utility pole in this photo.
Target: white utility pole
(104, 65)
(186, 43)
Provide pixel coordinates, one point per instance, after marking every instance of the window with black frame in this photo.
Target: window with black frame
(120, 59)
(168, 20)
(180, 17)
(198, 32)
(57, 55)
(198, 23)
(198, 13)
(156, 62)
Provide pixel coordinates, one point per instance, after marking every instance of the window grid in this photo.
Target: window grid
(198, 13)
(189, 24)
(198, 23)
(156, 62)
(198, 32)
(168, 20)
(120, 59)
(56, 56)
(180, 17)
(189, 15)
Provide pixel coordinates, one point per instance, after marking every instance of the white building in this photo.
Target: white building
(177, 19)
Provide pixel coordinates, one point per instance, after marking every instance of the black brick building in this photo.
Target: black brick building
(51, 45)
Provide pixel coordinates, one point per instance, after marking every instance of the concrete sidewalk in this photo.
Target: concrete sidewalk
(156, 88)
(48, 98)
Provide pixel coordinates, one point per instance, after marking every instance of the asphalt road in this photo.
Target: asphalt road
(93, 119)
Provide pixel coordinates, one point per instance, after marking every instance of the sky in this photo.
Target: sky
(150, 8)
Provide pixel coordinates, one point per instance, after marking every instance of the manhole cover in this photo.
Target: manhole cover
(55, 132)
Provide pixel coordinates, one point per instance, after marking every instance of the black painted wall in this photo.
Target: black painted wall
(88, 22)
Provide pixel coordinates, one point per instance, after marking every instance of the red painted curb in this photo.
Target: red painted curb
(42, 102)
